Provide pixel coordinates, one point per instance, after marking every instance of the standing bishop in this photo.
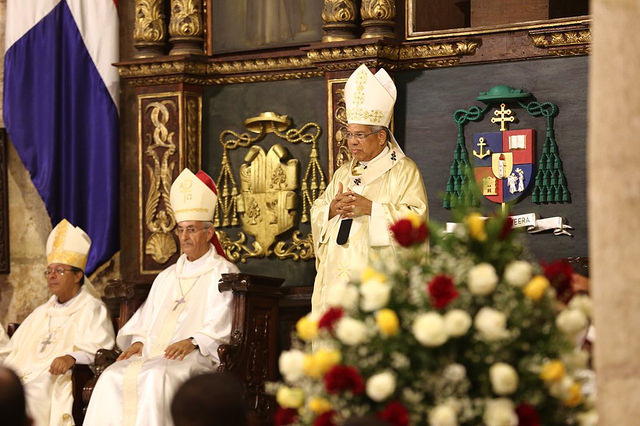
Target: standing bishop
(176, 333)
(67, 330)
(350, 220)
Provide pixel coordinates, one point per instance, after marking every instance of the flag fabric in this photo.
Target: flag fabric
(60, 110)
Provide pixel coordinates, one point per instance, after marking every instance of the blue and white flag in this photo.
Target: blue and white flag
(60, 110)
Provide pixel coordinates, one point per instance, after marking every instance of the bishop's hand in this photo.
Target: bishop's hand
(356, 205)
(62, 364)
(134, 349)
(339, 202)
(179, 350)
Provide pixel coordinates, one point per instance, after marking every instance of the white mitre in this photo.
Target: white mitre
(369, 98)
(69, 245)
(191, 198)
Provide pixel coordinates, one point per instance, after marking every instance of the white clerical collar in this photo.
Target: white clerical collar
(377, 157)
(191, 268)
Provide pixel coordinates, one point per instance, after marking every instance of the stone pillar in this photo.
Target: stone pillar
(614, 204)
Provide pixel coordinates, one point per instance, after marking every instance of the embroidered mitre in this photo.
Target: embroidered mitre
(369, 98)
(69, 245)
(192, 198)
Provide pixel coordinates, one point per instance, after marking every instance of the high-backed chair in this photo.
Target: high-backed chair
(253, 348)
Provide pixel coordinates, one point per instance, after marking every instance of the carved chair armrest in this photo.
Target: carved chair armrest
(104, 358)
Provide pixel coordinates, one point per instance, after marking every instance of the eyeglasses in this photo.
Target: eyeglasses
(58, 271)
(358, 136)
(189, 230)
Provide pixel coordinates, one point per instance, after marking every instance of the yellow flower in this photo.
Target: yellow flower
(319, 405)
(290, 397)
(371, 274)
(553, 371)
(535, 289)
(307, 328)
(387, 322)
(318, 363)
(415, 220)
(475, 223)
(575, 396)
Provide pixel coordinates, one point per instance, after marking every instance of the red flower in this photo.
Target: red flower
(507, 227)
(527, 415)
(395, 414)
(559, 273)
(343, 378)
(442, 291)
(406, 234)
(324, 419)
(285, 416)
(330, 318)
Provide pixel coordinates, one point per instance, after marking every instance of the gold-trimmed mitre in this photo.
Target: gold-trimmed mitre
(191, 198)
(69, 245)
(369, 98)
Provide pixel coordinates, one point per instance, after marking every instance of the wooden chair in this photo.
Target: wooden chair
(253, 348)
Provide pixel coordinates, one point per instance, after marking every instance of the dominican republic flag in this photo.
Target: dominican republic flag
(60, 110)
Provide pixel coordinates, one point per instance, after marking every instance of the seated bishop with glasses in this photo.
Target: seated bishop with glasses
(176, 333)
(66, 330)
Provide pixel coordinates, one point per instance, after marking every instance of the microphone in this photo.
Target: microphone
(343, 232)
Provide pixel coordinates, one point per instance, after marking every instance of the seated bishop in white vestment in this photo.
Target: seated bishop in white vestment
(380, 185)
(66, 330)
(176, 333)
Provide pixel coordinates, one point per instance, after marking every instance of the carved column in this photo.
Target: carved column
(378, 18)
(339, 20)
(169, 139)
(186, 27)
(149, 28)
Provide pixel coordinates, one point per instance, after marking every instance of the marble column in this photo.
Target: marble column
(614, 205)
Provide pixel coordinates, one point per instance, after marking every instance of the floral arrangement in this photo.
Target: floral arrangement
(463, 333)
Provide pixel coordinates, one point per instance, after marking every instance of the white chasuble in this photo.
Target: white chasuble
(183, 302)
(81, 325)
(394, 185)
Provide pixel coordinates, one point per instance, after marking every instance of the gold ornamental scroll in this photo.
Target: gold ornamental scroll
(378, 18)
(339, 20)
(337, 125)
(266, 202)
(169, 139)
(186, 27)
(149, 28)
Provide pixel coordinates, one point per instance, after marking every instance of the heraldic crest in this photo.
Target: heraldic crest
(504, 161)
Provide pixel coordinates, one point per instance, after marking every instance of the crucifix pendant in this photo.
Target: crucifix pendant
(178, 303)
(46, 342)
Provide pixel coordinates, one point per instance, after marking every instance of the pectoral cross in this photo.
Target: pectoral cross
(46, 342)
(178, 303)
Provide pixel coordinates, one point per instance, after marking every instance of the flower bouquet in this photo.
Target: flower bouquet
(463, 333)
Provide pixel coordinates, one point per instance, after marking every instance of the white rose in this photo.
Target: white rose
(429, 329)
(571, 321)
(381, 386)
(351, 331)
(562, 388)
(443, 415)
(491, 324)
(583, 303)
(576, 359)
(504, 378)
(588, 418)
(343, 295)
(500, 412)
(375, 295)
(482, 279)
(291, 365)
(518, 273)
(454, 372)
(457, 322)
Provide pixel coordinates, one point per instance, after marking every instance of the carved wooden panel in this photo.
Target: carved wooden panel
(169, 139)
(336, 124)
